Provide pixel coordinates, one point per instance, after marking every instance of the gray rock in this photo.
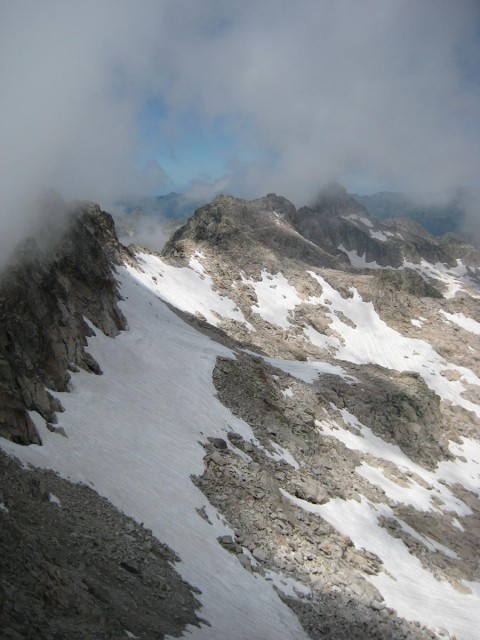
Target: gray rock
(260, 554)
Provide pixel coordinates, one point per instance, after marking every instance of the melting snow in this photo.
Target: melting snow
(469, 324)
(453, 278)
(54, 500)
(188, 288)
(466, 468)
(288, 586)
(330, 343)
(356, 218)
(308, 371)
(359, 262)
(378, 235)
(428, 542)
(283, 454)
(276, 298)
(419, 322)
(414, 494)
(405, 585)
(371, 340)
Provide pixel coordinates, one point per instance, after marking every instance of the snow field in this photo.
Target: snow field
(133, 435)
(187, 288)
(276, 298)
(405, 584)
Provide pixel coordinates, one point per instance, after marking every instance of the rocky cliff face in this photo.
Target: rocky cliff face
(46, 302)
(338, 220)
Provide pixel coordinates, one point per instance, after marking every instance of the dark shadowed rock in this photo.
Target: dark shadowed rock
(45, 297)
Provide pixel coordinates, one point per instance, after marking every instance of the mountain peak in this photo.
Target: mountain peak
(248, 231)
(332, 190)
(334, 200)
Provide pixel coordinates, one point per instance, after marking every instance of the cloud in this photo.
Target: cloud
(72, 82)
(333, 90)
(379, 92)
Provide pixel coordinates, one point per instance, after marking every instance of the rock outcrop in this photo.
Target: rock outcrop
(47, 300)
(250, 234)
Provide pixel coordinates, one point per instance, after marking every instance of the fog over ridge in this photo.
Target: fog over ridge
(383, 93)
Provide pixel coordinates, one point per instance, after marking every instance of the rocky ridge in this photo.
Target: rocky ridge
(47, 300)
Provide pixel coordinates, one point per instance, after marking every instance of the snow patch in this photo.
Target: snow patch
(404, 584)
(276, 298)
(288, 586)
(189, 289)
(283, 454)
(320, 340)
(378, 235)
(354, 217)
(359, 262)
(415, 494)
(308, 371)
(454, 279)
(469, 324)
(54, 500)
(428, 542)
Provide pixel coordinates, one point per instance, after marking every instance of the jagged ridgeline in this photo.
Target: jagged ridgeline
(46, 298)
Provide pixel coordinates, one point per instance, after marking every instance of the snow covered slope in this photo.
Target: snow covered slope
(133, 435)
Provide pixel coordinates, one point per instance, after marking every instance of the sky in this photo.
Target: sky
(107, 98)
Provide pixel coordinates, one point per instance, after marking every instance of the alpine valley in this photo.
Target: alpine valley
(268, 431)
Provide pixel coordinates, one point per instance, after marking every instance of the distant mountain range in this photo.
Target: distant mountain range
(452, 215)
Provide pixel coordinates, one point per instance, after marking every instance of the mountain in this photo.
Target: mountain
(452, 213)
(284, 402)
